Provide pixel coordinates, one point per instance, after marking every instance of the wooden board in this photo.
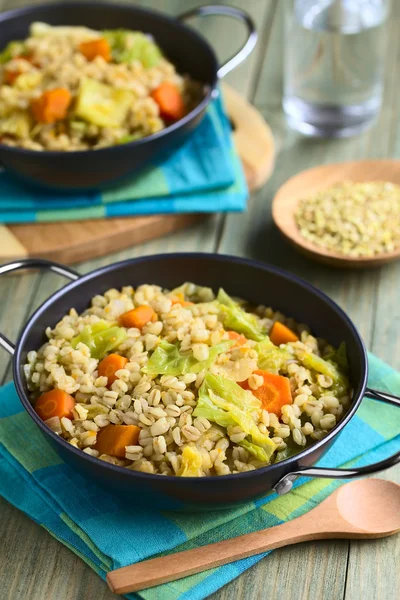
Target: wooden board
(74, 241)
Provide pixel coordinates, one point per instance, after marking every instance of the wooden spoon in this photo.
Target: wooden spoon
(366, 508)
(307, 183)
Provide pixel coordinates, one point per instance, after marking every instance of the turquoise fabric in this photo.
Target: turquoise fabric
(108, 533)
(204, 175)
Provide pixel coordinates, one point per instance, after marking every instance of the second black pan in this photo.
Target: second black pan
(182, 45)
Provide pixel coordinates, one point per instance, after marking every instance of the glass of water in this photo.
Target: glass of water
(334, 65)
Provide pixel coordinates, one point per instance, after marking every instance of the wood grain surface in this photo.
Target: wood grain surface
(33, 565)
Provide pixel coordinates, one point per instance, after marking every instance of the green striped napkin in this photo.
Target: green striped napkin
(105, 531)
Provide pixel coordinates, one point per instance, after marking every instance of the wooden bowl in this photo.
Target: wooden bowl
(307, 183)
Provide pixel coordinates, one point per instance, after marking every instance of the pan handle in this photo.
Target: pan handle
(285, 484)
(236, 13)
(33, 263)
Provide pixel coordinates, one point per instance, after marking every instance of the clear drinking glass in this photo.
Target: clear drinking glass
(334, 65)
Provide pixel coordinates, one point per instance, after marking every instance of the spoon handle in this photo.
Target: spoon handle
(175, 566)
(361, 509)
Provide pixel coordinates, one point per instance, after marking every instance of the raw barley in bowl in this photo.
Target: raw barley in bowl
(186, 383)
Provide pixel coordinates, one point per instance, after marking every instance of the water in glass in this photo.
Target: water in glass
(334, 64)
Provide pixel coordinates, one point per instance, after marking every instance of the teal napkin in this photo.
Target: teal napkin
(108, 533)
(204, 175)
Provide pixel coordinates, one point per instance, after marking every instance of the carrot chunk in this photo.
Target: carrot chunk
(51, 106)
(138, 317)
(237, 337)
(11, 76)
(170, 101)
(93, 48)
(280, 334)
(110, 365)
(274, 392)
(112, 439)
(54, 403)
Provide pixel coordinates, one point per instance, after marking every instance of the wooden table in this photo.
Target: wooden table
(32, 564)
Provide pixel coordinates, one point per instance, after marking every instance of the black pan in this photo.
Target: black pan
(182, 45)
(252, 280)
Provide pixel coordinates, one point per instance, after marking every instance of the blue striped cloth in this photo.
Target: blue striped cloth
(108, 533)
(204, 175)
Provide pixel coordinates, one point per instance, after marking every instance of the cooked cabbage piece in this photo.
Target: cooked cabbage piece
(12, 50)
(131, 137)
(17, 124)
(339, 378)
(191, 462)
(224, 402)
(128, 46)
(237, 319)
(339, 357)
(167, 359)
(93, 410)
(255, 450)
(38, 29)
(28, 81)
(100, 338)
(101, 104)
(270, 357)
